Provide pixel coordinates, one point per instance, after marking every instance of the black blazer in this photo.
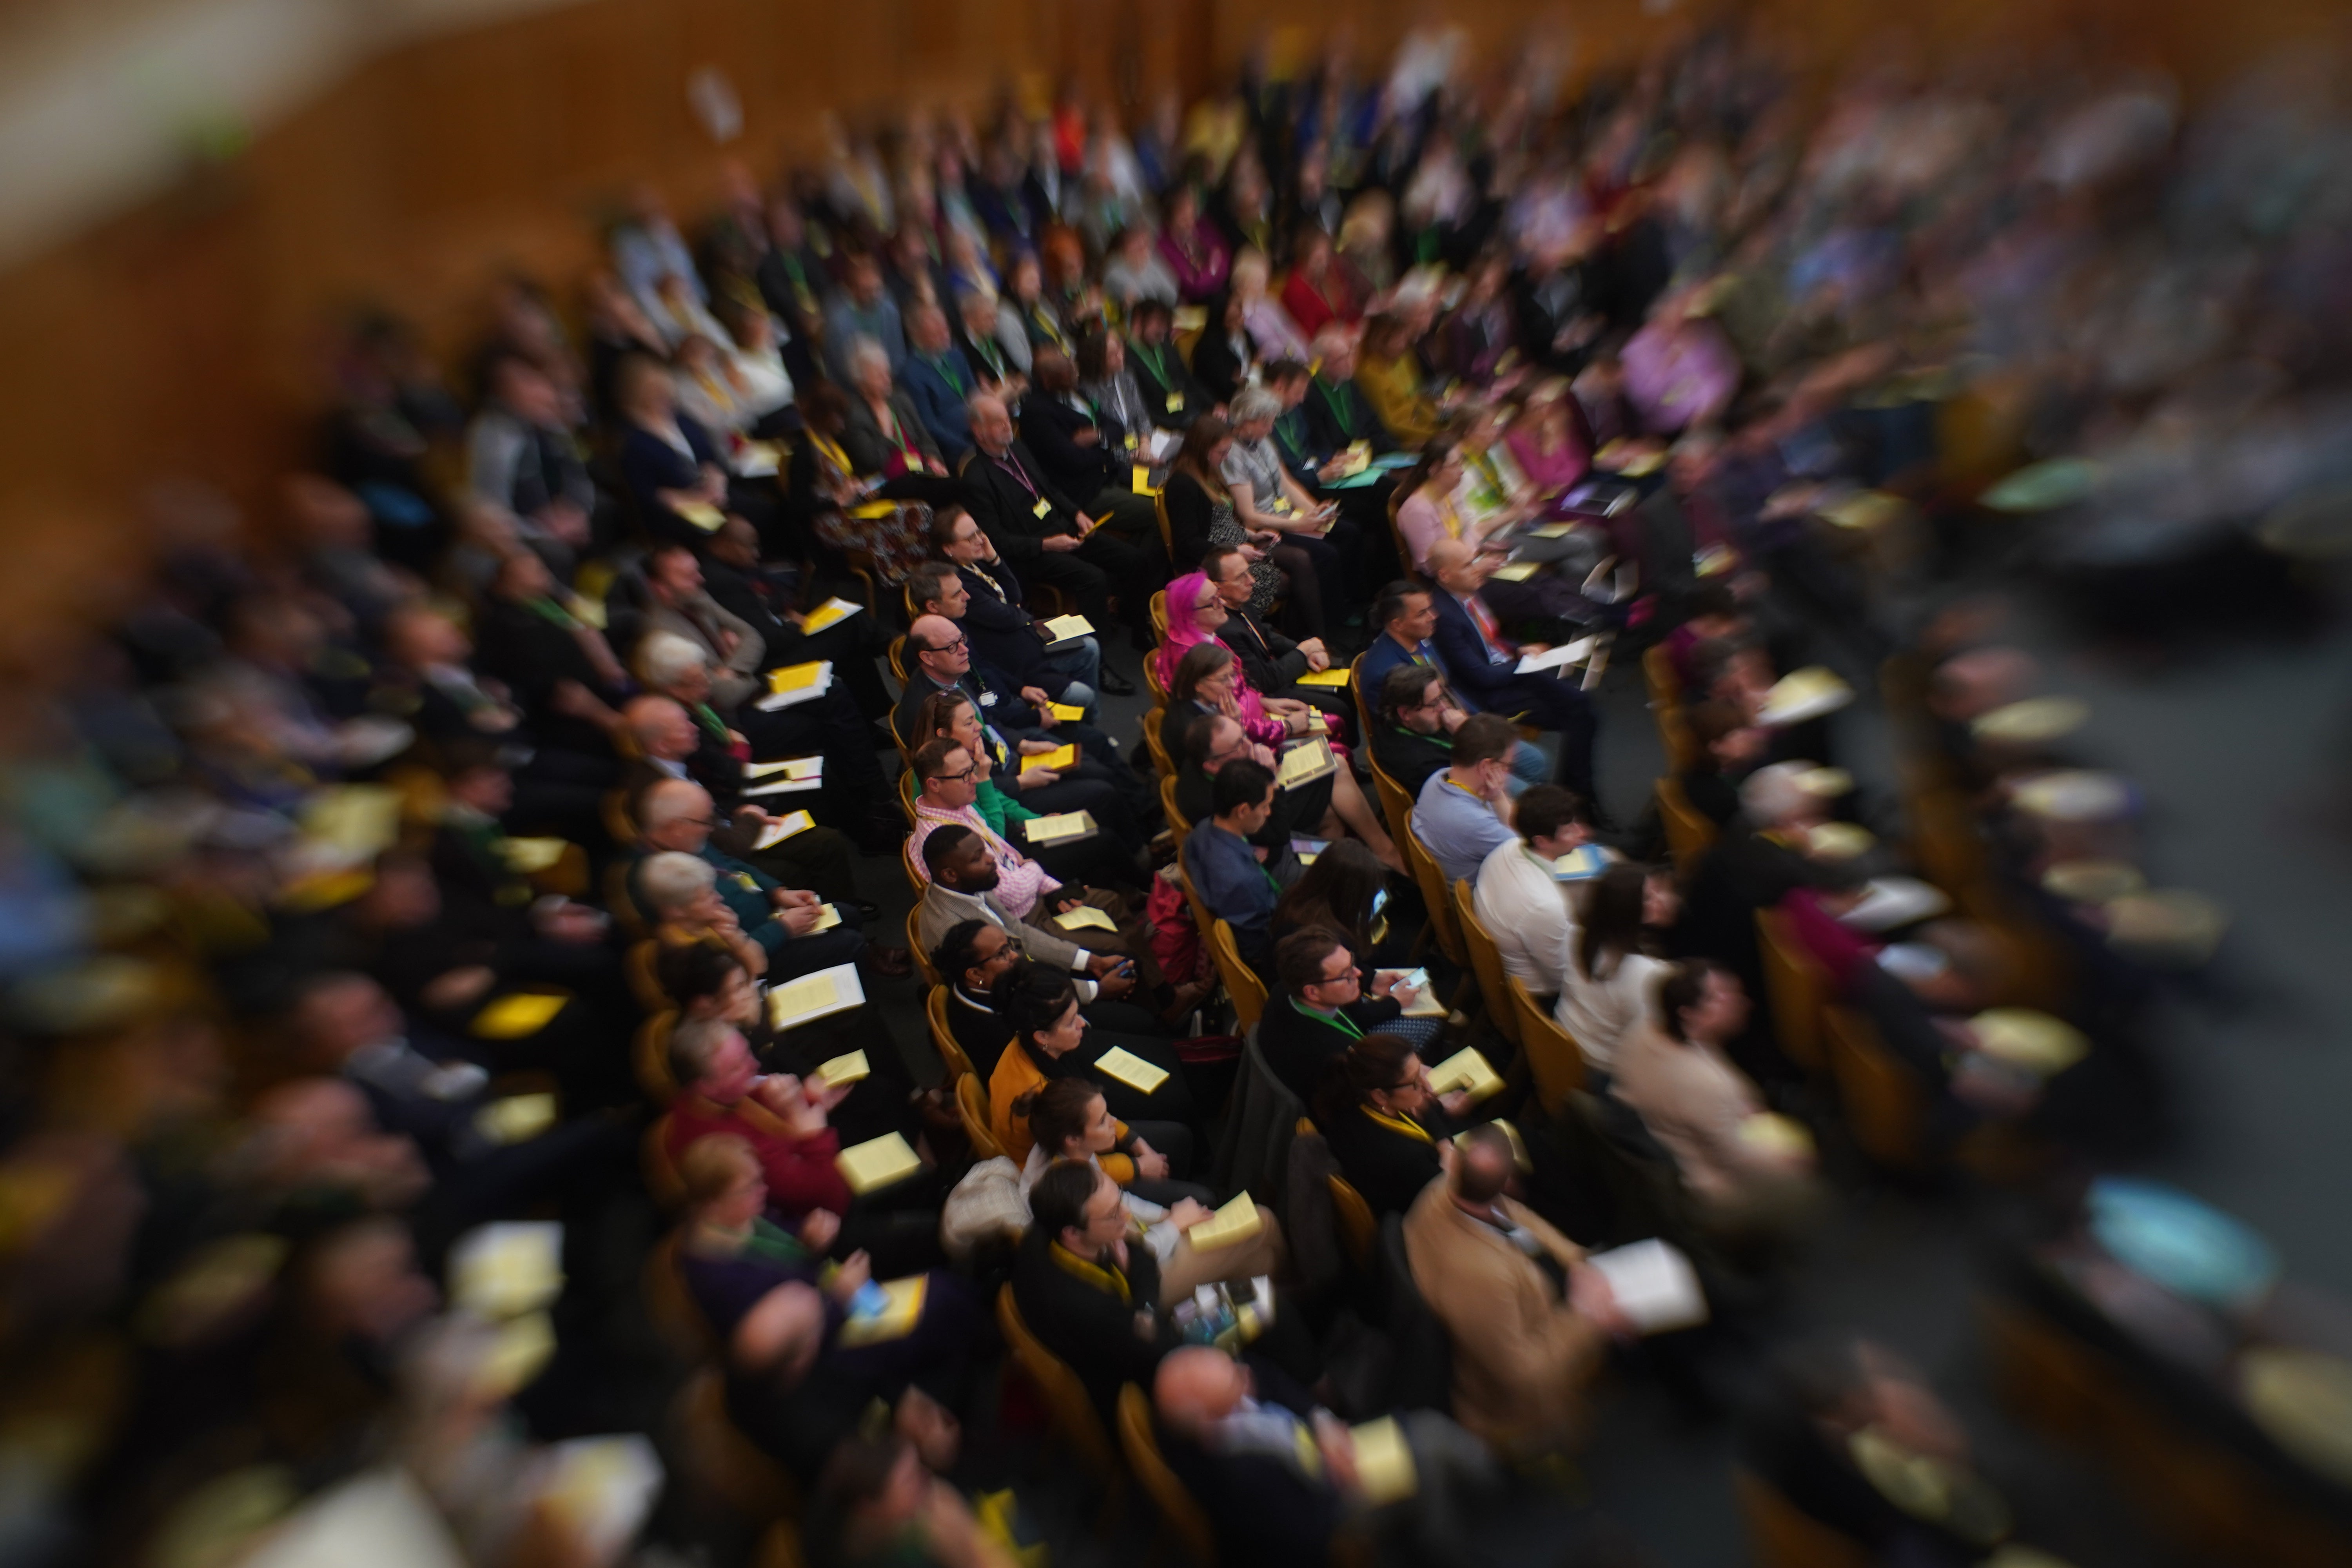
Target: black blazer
(649, 464)
(1189, 511)
(870, 447)
(1005, 508)
(1091, 1328)
(997, 621)
(1217, 367)
(1179, 383)
(1299, 1046)
(1338, 417)
(1388, 1167)
(1050, 427)
(1407, 756)
(1271, 660)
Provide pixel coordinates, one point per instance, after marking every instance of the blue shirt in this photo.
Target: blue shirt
(1235, 888)
(1459, 829)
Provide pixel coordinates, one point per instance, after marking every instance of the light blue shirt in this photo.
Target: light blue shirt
(1457, 828)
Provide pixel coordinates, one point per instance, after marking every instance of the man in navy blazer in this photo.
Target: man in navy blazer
(1481, 663)
(938, 379)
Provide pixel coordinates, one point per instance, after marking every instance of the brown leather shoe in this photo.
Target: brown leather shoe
(894, 961)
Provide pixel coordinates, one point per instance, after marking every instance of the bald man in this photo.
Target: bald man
(673, 746)
(1042, 532)
(1482, 663)
(1012, 726)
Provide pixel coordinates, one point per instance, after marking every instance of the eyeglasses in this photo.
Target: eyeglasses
(947, 647)
(968, 773)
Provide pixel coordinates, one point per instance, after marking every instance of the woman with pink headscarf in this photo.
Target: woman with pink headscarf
(1195, 613)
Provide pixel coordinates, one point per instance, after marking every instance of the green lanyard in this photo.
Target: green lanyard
(709, 718)
(1338, 1020)
(554, 613)
(1443, 746)
(1297, 449)
(945, 365)
(1339, 409)
(1157, 359)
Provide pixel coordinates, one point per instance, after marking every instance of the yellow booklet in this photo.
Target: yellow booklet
(827, 917)
(795, 677)
(842, 1070)
(1054, 829)
(1130, 1069)
(1084, 918)
(1465, 1069)
(1552, 531)
(877, 1164)
(1515, 571)
(1060, 760)
(901, 1309)
(518, 1017)
(814, 996)
(1383, 1464)
(1069, 712)
(1303, 763)
(793, 768)
(1425, 1004)
(783, 828)
(869, 511)
(1237, 1221)
(529, 855)
(362, 820)
(831, 612)
(702, 514)
(1064, 628)
(1334, 678)
(517, 1119)
(1143, 481)
(508, 1268)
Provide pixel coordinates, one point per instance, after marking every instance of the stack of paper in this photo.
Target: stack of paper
(1304, 762)
(1554, 657)
(787, 777)
(1655, 1285)
(814, 996)
(1130, 1069)
(831, 612)
(878, 1164)
(842, 1071)
(506, 1269)
(1333, 678)
(796, 683)
(1056, 830)
(1465, 1069)
(1065, 629)
(783, 828)
(1236, 1221)
(1384, 1471)
(890, 1312)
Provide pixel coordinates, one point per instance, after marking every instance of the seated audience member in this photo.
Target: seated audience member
(678, 815)
(677, 602)
(937, 378)
(794, 1385)
(1323, 1007)
(1235, 881)
(706, 981)
(1412, 726)
(1518, 895)
(676, 896)
(1081, 450)
(675, 469)
(560, 670)
(1052, 1038)
(1711, 614)
(1196, 615)
(1133, 272)
(671, 745)
(1753, 865)
(784, 1120)
(1045, 535)
(964, 884)
(996, 618)
(1170, 389)
(1314, 547)
(939, 658)
(1208, 746)
(862, 308)
(1728, 744)
(1832, 1399)
(1096, 859)
(1552, 441)
(1276, 1481)
(1223, 357)
(889, 447)
(519, 458)
(1390, 378)
(1674, 1073)
(971, 959)
(1105, 381)
(1085, 1291)
(1200, 516)
(1464, 814)
(1386, 1127)
(1608, 984)
(1406, 614)
(766, 600)
(830, 506)
(876, 1501)
(1348, 892)
(1072, 1124)
(1481, 664)
(1206, 682)
(1271, 662)
(1527, 1318)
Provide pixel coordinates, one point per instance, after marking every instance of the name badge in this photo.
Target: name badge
(1175, 402)
(1042, 507)
(988, 700)
(744, 879)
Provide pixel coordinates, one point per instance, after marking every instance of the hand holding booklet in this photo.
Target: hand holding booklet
(1236, 1221)
(1055, 829)
(1656, 1287)
(796, 683)
(1467, 1070)
(783, 828)
(1306, 763)
(814, 996)
(1065, 629)
(787, 777)
(1553, 658)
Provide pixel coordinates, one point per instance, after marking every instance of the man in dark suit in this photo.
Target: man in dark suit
(1003, 632)
(1202, 751)
(1412, 724)
(938, 378)
(939, 658)
(741, 585)
(1089, 1295)
(1337, 415)
(1481, 664)
(1161, 375)
(1271, 661)
(1037, 528)
(1321, 1009)
(1082, 450)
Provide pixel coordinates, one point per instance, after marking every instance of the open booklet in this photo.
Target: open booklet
(786, 777)
(814, 996)
(1304, 762)
(1655, 1285)
(783, 828)
(796, 683)
(1553, 658)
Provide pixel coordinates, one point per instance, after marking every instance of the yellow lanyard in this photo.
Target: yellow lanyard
(1394, 1124)
(1094, 1274)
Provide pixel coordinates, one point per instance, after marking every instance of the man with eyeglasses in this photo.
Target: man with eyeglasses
(939, 658)
(1013, 652)
(1271, 661)
(1413, 733)
(1323, 1008)
(1210, 745)
(967, 885)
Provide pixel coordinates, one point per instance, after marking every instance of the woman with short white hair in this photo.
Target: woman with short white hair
(1318, 546)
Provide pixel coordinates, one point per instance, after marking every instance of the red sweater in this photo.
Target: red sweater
(802, 1175)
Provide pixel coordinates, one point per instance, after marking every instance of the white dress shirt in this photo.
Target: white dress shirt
(1530, 912)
